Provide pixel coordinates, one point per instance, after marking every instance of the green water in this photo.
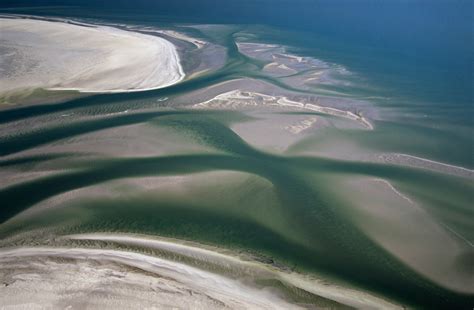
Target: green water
(282, 205)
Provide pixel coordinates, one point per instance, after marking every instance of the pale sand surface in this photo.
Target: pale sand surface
(237, 99)
(403, 227)
(74, 277)
(284, 130)
(86, 58)
(243, 264)
(175, 283)
(181, 36)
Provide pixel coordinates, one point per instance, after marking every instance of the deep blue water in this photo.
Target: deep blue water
(436, 36)
(430, 43)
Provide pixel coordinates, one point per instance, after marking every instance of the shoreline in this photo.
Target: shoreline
(247, 270)
(86, 58)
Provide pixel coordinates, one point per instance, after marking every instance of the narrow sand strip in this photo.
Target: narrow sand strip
(187, 284)
(57, 55)
(396, 191)
(319, 287)
(470, 171)
(235, 99)
(424, 163)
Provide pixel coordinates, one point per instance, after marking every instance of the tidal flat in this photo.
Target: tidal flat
(252, 175)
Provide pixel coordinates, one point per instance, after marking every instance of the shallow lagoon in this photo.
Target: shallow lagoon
(298, 190)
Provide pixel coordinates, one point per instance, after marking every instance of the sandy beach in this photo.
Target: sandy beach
(127, 278)
(57, 55)
(156, 276)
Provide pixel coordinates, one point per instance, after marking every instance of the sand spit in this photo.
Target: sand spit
(178, 35)
(86, 58)
(245, 267)
(424, 163)
(237, 99)
(330, 111)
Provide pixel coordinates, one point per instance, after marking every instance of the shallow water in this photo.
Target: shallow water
(238, 180)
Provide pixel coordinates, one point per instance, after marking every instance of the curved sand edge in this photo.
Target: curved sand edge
(87, 58)
(234, 289)
(111, 278)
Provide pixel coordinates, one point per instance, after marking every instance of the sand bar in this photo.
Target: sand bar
(248, 266)
(56, 55)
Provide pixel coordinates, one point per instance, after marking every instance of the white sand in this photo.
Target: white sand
(91, 277)
(248, 267)
(180, 36)
(238, 99)
(415, 161)
(301, 126)
(85, 58)
(105, 279)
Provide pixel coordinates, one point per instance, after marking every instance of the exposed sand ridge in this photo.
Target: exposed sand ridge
(240, 99)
